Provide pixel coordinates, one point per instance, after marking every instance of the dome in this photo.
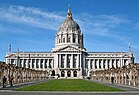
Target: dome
(69, 33)
(69, 24)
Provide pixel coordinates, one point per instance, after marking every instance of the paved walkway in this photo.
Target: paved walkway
(65, 93)
(21, 85)
(119, 86)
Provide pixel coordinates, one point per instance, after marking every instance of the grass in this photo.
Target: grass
(68, 85)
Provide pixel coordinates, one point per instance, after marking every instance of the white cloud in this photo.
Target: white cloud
(31, 16)
(100, 25)
(103, 25)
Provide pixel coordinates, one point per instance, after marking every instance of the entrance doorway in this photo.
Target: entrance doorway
(53, 73)
(62, 74)
(69, 73)
(75, 74)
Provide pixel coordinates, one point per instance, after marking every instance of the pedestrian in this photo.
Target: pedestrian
(11, 80)
(4, 81)
(58, 76)
(112, 80)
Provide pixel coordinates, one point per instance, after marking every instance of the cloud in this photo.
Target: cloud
(100, 25)
(31, 16)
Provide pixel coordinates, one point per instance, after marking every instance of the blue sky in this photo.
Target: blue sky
(108, 25)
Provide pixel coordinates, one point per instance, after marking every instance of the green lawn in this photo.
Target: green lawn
(68, 85)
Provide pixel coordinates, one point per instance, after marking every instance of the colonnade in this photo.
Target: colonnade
(69, 60)
(106, 63)
(33, 63)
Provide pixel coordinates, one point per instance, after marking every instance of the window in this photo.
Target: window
(74, 38)
(59, 40)
(63, 40)
(68, 38)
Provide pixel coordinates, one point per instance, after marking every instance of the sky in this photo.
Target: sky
(107, 25)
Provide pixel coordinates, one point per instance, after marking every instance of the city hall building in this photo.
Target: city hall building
(69, 58)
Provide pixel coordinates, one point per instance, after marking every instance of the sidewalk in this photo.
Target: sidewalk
(8, 87)
(119, 86)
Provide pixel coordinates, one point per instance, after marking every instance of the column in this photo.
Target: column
(53, 62)
(71, 73)
(88, 63)
(43, 64)
(106, 64)
(22, 63)
(97, 63)
(93, 63)
(110, 63)
(80, 63)
(77, 61)
(65, 73)
(65, 61)
(39, 63)
(48, 63)
(35, 64)
(72, 38)
(102, 67)
(121, 62)
(115, 63)
(60, 60)
(30, 63)
(77, 37)
(27, 63)
(118, 63)
(66, 38)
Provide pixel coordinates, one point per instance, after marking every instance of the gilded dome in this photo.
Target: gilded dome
(69, 24)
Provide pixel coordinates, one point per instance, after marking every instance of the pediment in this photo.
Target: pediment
(12, 56)
(126, 55)
(69, 48)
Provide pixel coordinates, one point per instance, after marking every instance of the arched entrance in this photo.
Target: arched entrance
(53, 73)
(62, 73)
(75, 74)
(69, 74)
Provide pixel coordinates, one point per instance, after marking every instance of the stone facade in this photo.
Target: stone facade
(69, 58)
